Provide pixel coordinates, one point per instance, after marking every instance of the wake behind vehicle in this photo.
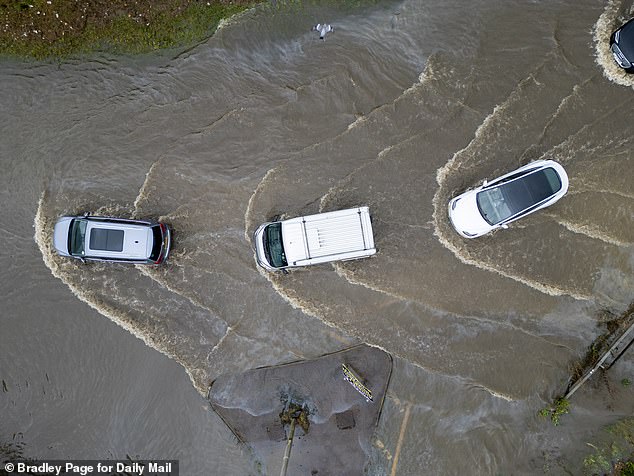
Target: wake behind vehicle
(622, 46)
(508, 198)
(91, 238)
(322, 238)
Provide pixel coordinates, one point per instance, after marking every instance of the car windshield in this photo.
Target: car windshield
(500, 203)
(157, 236)
(77, 237)
(273, 247)
(626, 42)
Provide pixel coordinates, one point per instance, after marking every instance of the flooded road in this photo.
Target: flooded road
(404, 106)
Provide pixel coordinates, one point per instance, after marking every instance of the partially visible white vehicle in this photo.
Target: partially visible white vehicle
(90, 238)
(314, 239)
(508, 198)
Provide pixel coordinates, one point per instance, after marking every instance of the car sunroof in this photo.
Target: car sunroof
(106, 240)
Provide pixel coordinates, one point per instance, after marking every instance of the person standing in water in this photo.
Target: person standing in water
(322, 29)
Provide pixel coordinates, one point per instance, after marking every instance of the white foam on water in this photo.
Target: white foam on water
(233, 19)
(143, 193)
(221, 340)
(603, 29)
(358, 121)
(450, 167)
(350, 277)
(495, 393)
(470, 382)
(248, 221)
(591, 231)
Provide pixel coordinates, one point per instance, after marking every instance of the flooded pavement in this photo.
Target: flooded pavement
(404, 106)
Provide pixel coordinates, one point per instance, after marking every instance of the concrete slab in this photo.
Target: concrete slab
(342, 422)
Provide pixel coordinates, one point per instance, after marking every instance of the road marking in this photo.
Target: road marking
(401, 436)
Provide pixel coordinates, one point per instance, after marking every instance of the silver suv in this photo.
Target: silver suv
(91, 238)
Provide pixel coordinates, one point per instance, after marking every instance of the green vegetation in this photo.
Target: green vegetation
(561, 406)
(617, 457)
(626, 382)
(41, 29)
(597, 463)
(58, 28)
(613, 325)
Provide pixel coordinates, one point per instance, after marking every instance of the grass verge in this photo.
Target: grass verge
(42, 29)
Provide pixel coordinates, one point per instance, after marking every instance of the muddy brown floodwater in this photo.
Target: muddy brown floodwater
(405, 105)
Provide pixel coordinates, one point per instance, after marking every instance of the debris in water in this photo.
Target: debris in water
(355, 381)
(296, 412)
(293, 414)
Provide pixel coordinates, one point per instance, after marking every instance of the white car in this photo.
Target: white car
(90, 238)
(512, 196)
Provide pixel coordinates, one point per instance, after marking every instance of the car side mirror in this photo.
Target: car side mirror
(505, 226)
(86, 214)
(484, 184)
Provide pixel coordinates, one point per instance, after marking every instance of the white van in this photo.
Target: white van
(314, 239)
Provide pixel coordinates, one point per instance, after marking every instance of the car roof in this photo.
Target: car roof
(530, 189)
(122, 240)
